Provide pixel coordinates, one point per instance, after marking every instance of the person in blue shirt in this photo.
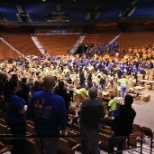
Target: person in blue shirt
(122, 67)
(133, 69)
(78, 62)
(48, 112)
(109, 67)
(86, 62)
(15, 114)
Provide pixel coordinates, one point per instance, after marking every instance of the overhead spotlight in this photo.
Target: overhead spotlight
(43, 0)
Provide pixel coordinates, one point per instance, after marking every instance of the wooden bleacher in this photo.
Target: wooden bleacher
(6, 52)
(135, 39)
(58, 44)
(22, 42)
(103, 37)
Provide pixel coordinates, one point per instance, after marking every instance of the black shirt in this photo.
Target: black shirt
(91, 113)
(122, 124)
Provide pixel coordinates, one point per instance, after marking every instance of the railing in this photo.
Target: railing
(126, 145)
(77, 145)
(34, 143)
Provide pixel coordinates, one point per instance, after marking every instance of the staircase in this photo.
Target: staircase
(134, 8)
(78, 43)
(38, 45)
(115, 38)
(12, 47)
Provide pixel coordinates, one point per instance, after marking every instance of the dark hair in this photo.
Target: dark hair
(128, 100)
(3, 77)
(24, 80)
(112, 96)
(14, 77)
(69, 81)
(9, 88)
(60, 84)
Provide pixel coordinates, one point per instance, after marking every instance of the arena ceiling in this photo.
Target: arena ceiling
(53, 0)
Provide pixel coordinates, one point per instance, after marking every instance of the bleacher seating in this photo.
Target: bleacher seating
(135, 39)
(38, 11)
(110, 10)
(9, 11)
(144, 9)
(6, 52)
(58, 44)
(76, 11)
(22, 42)
(67, 146)
(100, 38)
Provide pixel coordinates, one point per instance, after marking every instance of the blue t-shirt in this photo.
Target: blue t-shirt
(148, 66)
(48, 111)
(116, 112)
(13, 107)
(86, 62)
(78, 62)
(133, 69)
(122, 67)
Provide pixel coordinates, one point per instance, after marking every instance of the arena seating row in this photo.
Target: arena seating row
(38, 11)
(74, 144)
(136, 39)
(22, 42)
(77, 11)
(144, 8)
(9, 11)
(108, 11)
(6, 52)
(58, 44)
(100, 38)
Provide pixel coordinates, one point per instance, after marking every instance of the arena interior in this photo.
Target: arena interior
(62, 37)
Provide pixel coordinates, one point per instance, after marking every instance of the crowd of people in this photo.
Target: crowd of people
(43, 89)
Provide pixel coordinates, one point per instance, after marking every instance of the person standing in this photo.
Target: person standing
(112, 105)
(89, 79)
(48, 112)
(91, 113)
(123, 84)
(15, 114)
(122, 124)
(61, 90)
(82, 79)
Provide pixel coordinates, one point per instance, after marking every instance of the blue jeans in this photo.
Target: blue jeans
(82, 84)
(103, 87)
(116, 142)
(50, 145)
(123, 91)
